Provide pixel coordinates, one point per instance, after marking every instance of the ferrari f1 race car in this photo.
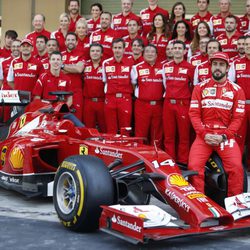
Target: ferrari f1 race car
(106, 181)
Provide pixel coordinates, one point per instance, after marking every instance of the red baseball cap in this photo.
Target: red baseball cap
(26, 41)
(220, 55)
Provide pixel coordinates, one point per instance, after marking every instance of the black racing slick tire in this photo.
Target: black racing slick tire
(82, 184)
(216, 185)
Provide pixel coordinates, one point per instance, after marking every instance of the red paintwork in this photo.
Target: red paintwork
(52, 131)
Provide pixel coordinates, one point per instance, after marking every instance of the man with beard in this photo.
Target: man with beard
(74, 8)
(240, 49)
(105, 35)
(137, 51)
(217, 110)
(228, 40)
(41, 48)
(73, 64)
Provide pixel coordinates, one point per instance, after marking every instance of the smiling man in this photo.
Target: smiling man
(217, 111)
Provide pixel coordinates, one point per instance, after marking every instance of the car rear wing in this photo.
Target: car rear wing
(14, 97)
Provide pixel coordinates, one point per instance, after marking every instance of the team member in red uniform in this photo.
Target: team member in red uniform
(240, 49)
(120, 21)
(38, 24)
(203, 56)
(51, 46)
(105, 35)
(240, 73)
(202, 15)
(74, 9)
(61, 33)
(133, 28)
(177, 78)
(41, 48)
(147, 78)
(53, 80)
(24, 70)
(9, 37)
(203, 71)
(148, 14)
(82, 38)
(94, 22)
(137, 50)
(159, 36)
(228, 40)
(169, 53)
(93, 90)
(73, 66)
(4, 68)
(244, 22)
(118, 89)
(217, 23)
(217, 110)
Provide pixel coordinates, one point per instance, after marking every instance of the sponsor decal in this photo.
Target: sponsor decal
(228, 94)
(18, 66)
(107, 152)
(177, 180)
(223, 42)
(180, 202)
(240, 66)
(83, 150)
(62, 83)
(73, 58)
(68, 165)
(169, 70)
(158, 71)
(219, 228)
(145, 16)
(143, 72)
(99, 70)
(182, 71)
(108, 39)
(96, 38)
(132, 226)
(110, 69)
(196, 62)
(117, 21)
(10, 179)
(195, 22)
(16, 158)
(209, 92)
(217, 103)
(3, 154)
(88, 69)
(125, 69)
(217, 22)
(203, 71)
(32, 67)
(195, 196)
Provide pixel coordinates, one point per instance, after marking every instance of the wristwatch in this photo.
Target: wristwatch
(62, 66)
(224, 137)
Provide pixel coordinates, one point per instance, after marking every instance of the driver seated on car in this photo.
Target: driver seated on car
(54, 80)
(216, 111)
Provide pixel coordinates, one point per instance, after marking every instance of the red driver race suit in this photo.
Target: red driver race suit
(217, 109)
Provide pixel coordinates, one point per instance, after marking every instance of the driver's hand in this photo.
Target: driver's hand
(213, 139)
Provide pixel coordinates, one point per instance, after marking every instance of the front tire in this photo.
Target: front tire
(82, 184)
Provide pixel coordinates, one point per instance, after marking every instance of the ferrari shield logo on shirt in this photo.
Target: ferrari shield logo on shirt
(169, 69)
(88, 69)
(241, 66)
(96, 38)
(145, 16)
(108, 39)
(32, 66)
(182, 71)
(244, 23)
(117, 21)
(143, 72)
(62, 83)
(209, 92)
(203, 71)
(18, 66)
(125, 69)
(110, 69)
(223, 41)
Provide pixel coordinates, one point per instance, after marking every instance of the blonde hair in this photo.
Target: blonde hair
(82, 21)
(64, 15)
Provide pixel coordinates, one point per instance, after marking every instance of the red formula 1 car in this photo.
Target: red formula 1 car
(106, 181)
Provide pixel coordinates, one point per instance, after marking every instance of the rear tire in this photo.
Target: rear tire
(82, 184)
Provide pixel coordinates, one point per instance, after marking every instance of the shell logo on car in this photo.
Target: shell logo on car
(16, 158)
(177, 180)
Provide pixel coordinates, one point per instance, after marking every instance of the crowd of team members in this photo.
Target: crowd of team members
(105, 61)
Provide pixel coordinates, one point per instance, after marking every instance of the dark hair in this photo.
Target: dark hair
(74, 1)
(197, 38)
(108, 13)
(71, 33)
(232, 16)
(214, 40)
(12, 34)
(152, 46)
(180, 42)
(56, 53)
(97, 5)
(165, 28)
(96, 45)
(118, 40)
(53, 39)
(187, 33)
(139, 40)
(208, 1)
(43, 37)
(172, 17)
